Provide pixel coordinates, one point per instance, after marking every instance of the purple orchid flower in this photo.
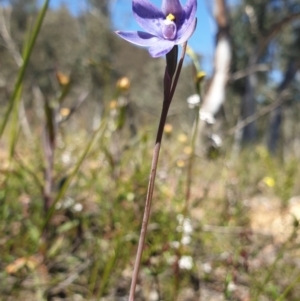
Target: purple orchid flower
(165, 28)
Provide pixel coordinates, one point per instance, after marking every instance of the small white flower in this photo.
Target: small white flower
(231, 287)
(179, 218)
(206, 116)
(193, 101)
(216, 140)
(66, 157)
(186, 240)
(68, 202)
(130, 196)
(58, 206)
(175, 244)
(186, 262)
(78, 207)
(207, 267)
(153, 296)
(187, 226)
(179, 229)
(162, 174)
(171, 259)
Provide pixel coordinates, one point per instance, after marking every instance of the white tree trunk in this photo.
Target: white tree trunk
(216, 93)
(215, 96)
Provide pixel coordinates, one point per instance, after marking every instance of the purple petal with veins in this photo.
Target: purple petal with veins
(172, 25)
(138, 37)
(172, 7)
(161, 48)
(189, 16)
(148, 16)
(185, 34)
(190, 9)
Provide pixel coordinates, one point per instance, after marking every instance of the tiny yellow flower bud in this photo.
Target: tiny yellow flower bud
(64, 112)
(182, 138)
(180, 163)
(187, 150)
(270, 182)
(200, 76)
(113, 104)
(168, 128)
(123, 83)
(62, 78)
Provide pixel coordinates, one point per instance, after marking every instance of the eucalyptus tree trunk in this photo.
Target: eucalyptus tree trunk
(249, 103)
(277, 114)
(215, 95)
(248, 107)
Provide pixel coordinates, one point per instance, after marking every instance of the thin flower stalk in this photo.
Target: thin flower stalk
(165, 28)
(189, 178)
(199, 77)
(156, 151)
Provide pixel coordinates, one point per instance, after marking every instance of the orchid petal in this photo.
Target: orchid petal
(161, 48)
(185, 33)
(190, 9)
(148, 16)
(172, 7)
(189, 15)
(163, 29)
(138, 37)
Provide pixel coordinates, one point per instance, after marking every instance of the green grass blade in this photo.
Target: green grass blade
(109, 268)
(97, 133)
(289, 288)
(23, 68)
(15, 127)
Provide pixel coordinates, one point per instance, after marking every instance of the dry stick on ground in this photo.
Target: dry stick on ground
(70, 278)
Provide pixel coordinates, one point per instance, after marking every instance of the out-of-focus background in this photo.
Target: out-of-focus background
(79, 110)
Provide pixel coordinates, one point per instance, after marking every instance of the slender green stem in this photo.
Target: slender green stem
(15, 125)
(187, 191)
(109, 267)
(166, 104)
(272, 268)
(190, 163)
(97, 133)
(178, 71)
(148, 201)
(186, 203)
(22, 70)
(288, 289)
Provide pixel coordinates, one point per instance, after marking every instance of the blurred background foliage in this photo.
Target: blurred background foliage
(75, 158)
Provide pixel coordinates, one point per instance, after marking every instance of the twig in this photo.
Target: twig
(81, 99)
(255, 116)
(71, 278)
(252, 69)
